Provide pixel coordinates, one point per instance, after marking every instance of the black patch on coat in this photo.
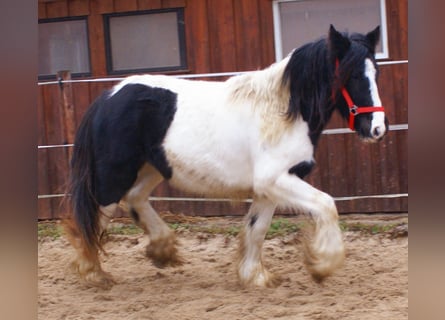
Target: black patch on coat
(252, 221)
(302, 169)
(127, 131)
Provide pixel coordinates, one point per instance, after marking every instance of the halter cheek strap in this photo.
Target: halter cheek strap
(353, 109)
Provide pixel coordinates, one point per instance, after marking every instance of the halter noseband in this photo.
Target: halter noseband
(354, 109)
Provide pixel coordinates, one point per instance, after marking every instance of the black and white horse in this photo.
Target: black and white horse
(251, 136)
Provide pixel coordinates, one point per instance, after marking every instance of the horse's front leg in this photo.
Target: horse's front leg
(325, 249)
(250, 265)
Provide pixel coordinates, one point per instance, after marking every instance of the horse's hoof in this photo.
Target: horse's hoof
(322, 265)
(100, 279)
(274, 281)
(261, 278)
(162, 257)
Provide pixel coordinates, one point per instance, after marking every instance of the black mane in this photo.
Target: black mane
(315, 84)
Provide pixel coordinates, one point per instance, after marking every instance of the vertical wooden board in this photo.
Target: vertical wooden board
(97, 88)
(351, 171)
(402, 152)
(403, 28)
(44, 206)
(43, 132)
(392, 159)
(58, 159)
(337, 159)
(45, 211)
(101, 6)
(396, 12)
(125, 5)
(197, 36)
(81, 99)
(42, 10)
(387, 92)
(248, 37)
(314, 178)
(57, 9)
(173, 3)
(222, 36)
(322, 160)
(399, 77)
(60, 180)
(267, 32)
(149, 4)
(78, 7)
(365, 174)
(97, 45)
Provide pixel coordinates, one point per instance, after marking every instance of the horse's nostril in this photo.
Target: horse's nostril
(376, 132)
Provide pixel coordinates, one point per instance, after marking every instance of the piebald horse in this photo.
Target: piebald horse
(251, 136)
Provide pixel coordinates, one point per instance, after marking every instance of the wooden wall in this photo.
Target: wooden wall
(233, 35)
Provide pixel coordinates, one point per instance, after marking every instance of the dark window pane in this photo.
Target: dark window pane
(63, 45)
(152, 41)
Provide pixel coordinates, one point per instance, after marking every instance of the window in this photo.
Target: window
(63, 45)
(145, 41)
(297, 22)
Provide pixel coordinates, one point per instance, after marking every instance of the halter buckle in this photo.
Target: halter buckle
(353, 110)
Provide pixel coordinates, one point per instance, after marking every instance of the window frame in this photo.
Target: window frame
(181, 41)
(277, 29)
(87, 39)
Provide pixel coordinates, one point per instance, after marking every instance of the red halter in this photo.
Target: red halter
(353, 109)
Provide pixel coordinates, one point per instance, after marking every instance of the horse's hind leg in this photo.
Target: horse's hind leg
(250, 266)
(87, 262)
(162, 247)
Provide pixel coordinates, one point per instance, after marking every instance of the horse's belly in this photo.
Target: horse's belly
(216, 179)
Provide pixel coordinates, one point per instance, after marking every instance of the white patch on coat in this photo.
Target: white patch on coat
(378, 118)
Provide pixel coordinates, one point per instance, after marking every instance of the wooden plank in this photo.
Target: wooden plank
(57, 9)
(399, 79)
(149, 4)
(81, 95)
(97, 88)
(197, 36)
(267, 51)
(173, 3)
(42, 10)
(44, 206)
(403, 28)
(52, 128)
(222, 36)
(337, 166)
(248, 37)
(101, 6)
(397, 25)
(402, 152)
(97, 45)
(78, 8)
(66, 106)
(125, 5)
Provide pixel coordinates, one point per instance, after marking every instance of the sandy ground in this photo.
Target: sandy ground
(372, 284)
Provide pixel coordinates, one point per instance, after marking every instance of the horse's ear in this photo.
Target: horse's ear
(373, 37)
(338, 43)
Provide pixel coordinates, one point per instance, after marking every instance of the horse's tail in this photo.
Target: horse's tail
(85, 224)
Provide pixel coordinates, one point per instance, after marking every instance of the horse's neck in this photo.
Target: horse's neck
(262, 87)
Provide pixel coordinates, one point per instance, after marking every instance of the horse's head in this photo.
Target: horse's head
(355, 87)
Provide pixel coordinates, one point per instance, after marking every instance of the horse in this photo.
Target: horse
(250, 136)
